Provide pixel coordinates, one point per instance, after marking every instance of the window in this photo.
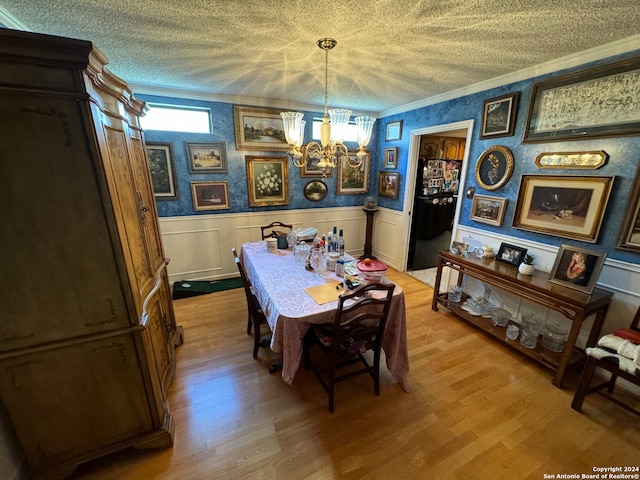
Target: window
(177, 119)
(350, 136)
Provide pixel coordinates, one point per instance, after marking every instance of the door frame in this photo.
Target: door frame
(410, 182)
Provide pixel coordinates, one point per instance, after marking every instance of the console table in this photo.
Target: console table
(574, 306)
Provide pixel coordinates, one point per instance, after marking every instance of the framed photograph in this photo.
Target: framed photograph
(207, 157)
(489, 210)
(572, 160)
(388, 184)
(596, 102)
(568, 206)
(259, 128)
(393, 131)
(353, 180)
(511, 254)
(391, 157)
(267, 181)
(499, 116)
(162, 165)
(494, 167)
(629, 236)
(577, 268)
(310, 169)
(315, 190)
(210, 195)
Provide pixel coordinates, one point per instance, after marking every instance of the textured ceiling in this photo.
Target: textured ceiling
(390, 52)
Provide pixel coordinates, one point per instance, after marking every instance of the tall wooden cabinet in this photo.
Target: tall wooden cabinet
(88, 333)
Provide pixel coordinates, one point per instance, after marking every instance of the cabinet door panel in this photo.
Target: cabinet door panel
(57, 238)
(99, 402)
(129, 208)
(145, 191)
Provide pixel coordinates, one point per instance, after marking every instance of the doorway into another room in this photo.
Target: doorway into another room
(435, 175)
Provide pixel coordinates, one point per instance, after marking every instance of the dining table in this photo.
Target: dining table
(293, 298)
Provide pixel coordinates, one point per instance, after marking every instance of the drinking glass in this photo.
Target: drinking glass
(316, 260)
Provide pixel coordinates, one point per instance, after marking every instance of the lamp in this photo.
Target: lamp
(332, 130)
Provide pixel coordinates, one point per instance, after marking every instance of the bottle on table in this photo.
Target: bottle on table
(341, 244)
(334, 239)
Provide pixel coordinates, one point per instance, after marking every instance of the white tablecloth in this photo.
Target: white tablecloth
(279, 283)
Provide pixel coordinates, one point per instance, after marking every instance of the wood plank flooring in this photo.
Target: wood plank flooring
(476, 410)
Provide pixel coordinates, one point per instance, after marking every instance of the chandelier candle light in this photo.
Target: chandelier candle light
(332, 130)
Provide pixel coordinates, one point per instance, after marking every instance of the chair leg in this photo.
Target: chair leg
(249, 324)
(584, 384)
(256, 339)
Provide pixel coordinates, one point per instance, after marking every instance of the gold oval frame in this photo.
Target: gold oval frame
(493, 171)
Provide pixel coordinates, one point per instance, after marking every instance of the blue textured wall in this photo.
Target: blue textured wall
(223, 131)
(624, 157)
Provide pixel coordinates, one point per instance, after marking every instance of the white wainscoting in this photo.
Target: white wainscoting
(621, 278)
(199, 246)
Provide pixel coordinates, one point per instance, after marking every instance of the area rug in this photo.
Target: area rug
(192, 288)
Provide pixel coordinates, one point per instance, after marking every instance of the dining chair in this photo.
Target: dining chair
(255, 314)
(358, 327)
(619, 354)
(271, 226)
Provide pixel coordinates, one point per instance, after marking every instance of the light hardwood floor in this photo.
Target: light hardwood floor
(476, 410)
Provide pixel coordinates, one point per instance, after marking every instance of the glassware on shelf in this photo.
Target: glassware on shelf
(513, 331)
(554, 337)
(455, 294)
(530, 327)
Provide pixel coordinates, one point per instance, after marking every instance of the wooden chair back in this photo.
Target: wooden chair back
(256, 316)
(268, 230)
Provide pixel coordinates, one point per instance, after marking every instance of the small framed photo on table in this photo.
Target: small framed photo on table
(577, 268)
(511, 254)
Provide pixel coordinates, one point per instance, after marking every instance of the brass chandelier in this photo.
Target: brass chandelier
(332, 130)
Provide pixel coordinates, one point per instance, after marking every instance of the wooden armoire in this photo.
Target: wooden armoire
(87, 333)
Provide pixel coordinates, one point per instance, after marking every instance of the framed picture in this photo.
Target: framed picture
(162, 165)
(577, 268)
(210, 195)
(315, 190)
(388, 184)
(563, 205)
(259, 128)
(391, 157)
(629, 236)
(499, 116)
(207, 157)
(511, 254)
(597, 102)
(310, 169)
(394, 131)
(494, 167)
(353, 180)
(267, 181)
(489, 210)
(572, 160)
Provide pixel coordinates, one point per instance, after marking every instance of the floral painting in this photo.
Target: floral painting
(267, 181)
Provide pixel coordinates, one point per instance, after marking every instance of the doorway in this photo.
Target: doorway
(416, 262)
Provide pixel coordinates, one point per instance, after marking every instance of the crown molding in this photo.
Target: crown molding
(233, 99)
(10, 21)
(625, 45)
